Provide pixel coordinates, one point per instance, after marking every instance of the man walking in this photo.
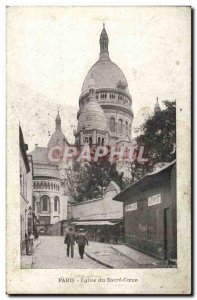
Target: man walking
(82, 241)
(70, 240)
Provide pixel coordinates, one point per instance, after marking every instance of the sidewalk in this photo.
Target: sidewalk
(27, 260)
(119, 256)
(139, 257)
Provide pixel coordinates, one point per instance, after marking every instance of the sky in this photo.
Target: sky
(51, 49)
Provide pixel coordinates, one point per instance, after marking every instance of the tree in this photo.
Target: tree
(89, 181)
(159, 136)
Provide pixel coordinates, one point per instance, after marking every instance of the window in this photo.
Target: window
(56, 204)
(86, 140)
(112, 124)
(102, 142)
(90, 141)
(103, 96)
(126, 126)
(112, 96)
(45, 203)
(120, 125)
(99, 140)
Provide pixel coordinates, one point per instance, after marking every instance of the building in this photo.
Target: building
(102, 218)
(26, 185)
(105, 105)
(157, 107)
(49, 200)
(150, 213)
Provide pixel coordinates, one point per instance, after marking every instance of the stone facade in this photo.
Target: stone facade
(111, 100)
(26, 178)
(49, 200)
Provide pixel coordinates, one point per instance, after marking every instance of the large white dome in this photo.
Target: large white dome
(106, 74)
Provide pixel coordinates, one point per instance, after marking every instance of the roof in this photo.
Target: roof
(92, 116)
(144, 180)
(112, 186)
(40, 154)
(57, 138)
(24, 148)
(106, 75)
(97, 216)
(95, 223)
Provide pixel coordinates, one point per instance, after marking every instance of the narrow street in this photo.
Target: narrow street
(51, 254)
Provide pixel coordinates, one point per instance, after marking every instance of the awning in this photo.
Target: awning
(94, 223)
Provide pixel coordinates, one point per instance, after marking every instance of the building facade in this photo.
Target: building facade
(26, 185)
(150, 213)
(105, 105)
(102, 218)
(49, 200)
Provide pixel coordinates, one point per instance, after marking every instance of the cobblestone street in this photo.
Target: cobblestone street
(51, 254)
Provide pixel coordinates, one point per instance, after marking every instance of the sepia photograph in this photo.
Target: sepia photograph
(96, 101)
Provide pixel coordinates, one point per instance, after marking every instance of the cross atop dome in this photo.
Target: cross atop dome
(104, 41)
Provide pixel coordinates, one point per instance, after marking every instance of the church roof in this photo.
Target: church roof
(106, 75)
(57, 138)
(92, 116)
(40, 154)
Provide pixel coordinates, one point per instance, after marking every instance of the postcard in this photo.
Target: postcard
(98, 150)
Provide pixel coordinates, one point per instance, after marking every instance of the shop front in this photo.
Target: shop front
(102, 231)
(150, 213)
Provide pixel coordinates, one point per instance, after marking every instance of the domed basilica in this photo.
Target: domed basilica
(105, 115)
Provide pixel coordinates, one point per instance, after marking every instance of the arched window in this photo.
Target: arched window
(56, 204)
(45, 204)
(86, 140)
(126, 126)
(120, 125)
(90, 141)
(103, 141)
(99, 140)
(112, 124)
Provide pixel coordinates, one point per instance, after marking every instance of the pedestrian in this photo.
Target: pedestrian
(70, 241)
(81, 241)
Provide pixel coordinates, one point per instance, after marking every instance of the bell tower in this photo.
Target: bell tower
(104, 41)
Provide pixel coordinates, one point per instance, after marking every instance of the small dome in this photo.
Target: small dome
(92, 116)
(57, 138)
(106, 75)
(40, 154)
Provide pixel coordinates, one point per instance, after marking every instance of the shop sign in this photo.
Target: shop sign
(153, 200)
(132, 206)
